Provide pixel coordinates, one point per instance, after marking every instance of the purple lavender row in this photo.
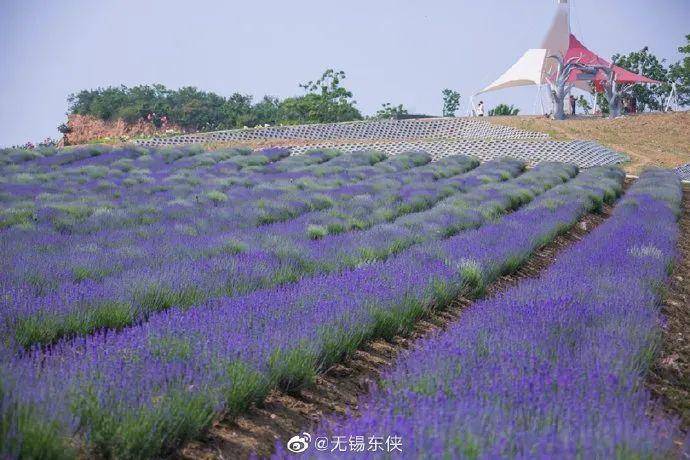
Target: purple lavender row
(554, 367)
(129, 167)
(166, 208)
(354, 207)
(273, 255)
(185, 156)
(312, 236)
(25, 157)
(141, 391)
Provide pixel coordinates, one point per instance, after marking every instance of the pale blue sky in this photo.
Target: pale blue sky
(403, 51)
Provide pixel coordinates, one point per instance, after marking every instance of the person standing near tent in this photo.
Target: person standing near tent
(572, 105)
(480, 109)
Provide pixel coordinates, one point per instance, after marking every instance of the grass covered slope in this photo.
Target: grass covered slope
(661, 139)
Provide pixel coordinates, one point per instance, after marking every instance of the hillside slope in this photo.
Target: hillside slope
(649, 139)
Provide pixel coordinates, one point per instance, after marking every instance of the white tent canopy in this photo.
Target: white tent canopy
(528, 70)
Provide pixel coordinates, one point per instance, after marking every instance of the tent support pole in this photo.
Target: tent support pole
(671, 97)
(541, 101)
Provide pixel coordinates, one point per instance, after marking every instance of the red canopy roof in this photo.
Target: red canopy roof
(578, 51)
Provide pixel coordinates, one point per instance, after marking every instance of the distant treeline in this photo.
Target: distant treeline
(325, 100)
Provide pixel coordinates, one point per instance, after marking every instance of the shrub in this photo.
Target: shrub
(217, 197)
(316, 232)
(503, 110)
(233, 247)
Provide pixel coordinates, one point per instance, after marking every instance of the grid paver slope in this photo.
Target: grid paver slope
(439, 137)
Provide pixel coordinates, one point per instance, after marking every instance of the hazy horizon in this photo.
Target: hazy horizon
(400, 52)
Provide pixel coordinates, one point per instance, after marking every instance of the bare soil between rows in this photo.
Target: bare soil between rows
(669, 378)
(337, 390)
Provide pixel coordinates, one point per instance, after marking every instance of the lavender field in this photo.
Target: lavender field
(147, 293)
(553, 367)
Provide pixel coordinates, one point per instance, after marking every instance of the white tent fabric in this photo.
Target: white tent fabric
(528, 70)
(557, 40)
(534, 67)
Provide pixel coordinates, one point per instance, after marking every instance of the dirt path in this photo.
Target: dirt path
(669, 379)
(338, 389)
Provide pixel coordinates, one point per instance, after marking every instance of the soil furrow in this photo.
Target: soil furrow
(337, 390)
(669, 379)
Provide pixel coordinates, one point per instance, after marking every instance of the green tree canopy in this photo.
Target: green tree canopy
(451, 102)
(645, 63)
(389, 111)
(326, 100)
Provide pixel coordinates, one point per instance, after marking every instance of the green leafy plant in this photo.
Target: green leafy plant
(389, 111)
(503, 110)
(583, 104)
(451, 102)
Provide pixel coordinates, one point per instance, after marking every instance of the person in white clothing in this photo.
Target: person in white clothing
(480, 109)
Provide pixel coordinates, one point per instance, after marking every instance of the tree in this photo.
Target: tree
(612, 92)
(301, 109)
(266, 111)
(451, 102)
(237, 111)
(391, 111)
(198, 110)
(560, 86)
(644, 63)
(503, 109)
(326, 100)
(679, 73)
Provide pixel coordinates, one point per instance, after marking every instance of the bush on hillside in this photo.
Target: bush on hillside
(503, 110)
